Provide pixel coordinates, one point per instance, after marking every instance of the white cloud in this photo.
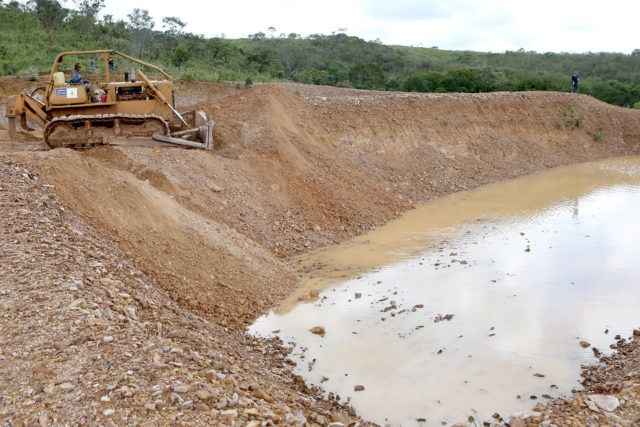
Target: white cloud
(489, 25)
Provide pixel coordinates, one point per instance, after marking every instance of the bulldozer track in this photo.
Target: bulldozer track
(78, 123)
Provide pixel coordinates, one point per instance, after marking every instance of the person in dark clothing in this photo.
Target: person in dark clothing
(76, 77)
(575, 81)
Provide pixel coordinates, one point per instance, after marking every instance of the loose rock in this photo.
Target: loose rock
(604, 402)
(318, 330)
(585, 344)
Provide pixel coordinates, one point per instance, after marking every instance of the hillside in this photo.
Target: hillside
(33, 35)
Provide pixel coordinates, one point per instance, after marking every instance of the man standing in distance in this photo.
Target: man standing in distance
(575, 81)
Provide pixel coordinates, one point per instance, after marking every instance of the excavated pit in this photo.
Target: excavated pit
(299, 168)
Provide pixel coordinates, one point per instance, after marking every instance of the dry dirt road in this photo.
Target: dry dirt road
(129, 272)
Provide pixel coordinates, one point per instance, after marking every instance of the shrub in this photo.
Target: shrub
(599, 136)
(571, 118)
(180, 56)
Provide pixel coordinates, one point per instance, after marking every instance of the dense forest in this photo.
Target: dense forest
(32, 33)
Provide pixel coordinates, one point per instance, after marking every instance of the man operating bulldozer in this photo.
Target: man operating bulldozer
(76, 76)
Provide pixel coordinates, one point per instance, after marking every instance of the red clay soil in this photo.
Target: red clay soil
(299, 167)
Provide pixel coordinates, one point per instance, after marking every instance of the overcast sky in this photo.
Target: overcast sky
(484, 25)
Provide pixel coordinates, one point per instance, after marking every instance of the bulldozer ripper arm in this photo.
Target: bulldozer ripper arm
(34, 109)
(27, 109)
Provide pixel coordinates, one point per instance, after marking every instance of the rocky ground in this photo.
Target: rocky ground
(611, 394)
(128, 274)
(88, 339)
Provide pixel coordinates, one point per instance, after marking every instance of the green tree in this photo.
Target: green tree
(51, 15)
(90, 8)
(367, 76)
(173, 25)
(257, 36)
(424, 81)
(84, 19)
(180, 56)
(141, 24)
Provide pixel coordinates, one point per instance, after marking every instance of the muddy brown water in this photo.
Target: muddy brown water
(527, 268)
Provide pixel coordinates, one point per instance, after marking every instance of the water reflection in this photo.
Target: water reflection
(526, 277)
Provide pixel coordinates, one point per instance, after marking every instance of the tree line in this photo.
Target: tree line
(35, 31)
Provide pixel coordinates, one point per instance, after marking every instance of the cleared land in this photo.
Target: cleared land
(129, 272)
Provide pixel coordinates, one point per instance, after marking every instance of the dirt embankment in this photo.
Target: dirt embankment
(301, 167)
(88, 339)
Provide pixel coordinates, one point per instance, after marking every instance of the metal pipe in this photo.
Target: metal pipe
(178, 141)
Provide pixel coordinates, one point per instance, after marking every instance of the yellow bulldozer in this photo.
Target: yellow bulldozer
(81, 113)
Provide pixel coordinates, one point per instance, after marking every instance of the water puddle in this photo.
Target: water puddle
(473, 304)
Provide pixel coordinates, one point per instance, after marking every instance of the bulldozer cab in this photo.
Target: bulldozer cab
(101, 80)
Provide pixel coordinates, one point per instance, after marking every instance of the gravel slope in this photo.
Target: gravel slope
(88, 339)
